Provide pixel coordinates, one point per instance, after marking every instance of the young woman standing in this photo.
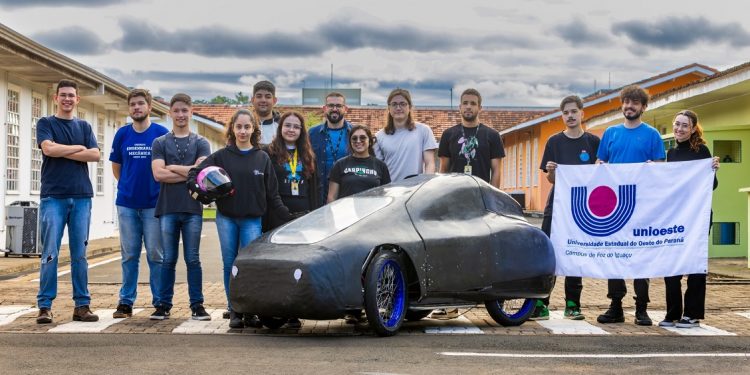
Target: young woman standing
(359, 171)
(238, 217)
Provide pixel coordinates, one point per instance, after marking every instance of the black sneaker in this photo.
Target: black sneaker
(226, 314)
(123, 311)
(293, 323)
(641, 316)
(199, 313)
(252, 321)
(613, 315)
(159, 314)
(235, 320)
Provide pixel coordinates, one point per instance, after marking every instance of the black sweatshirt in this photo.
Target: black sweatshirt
(254, 181)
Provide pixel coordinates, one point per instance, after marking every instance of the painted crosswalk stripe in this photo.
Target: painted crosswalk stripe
(105, 320)
(12, 312)
(703, 330)
(216, 325)
(561, 326)
(746, 314)
(595, 356)
(460, 325)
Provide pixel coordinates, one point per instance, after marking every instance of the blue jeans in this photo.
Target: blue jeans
(234, 234)
(55, 214)
(189, 226)
(139, 227)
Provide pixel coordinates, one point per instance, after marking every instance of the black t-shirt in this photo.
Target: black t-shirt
(355, 175)
(488, 146)
(568, 151)
(63, 177)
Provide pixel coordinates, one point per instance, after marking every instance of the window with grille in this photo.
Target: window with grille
(36, 153)
(13, 129)
(100, 163)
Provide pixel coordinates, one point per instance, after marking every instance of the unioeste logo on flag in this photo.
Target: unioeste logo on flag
(603, 212)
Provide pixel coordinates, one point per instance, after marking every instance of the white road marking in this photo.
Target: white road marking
(65, 272)
(12, 312)
(561, 326)
(105, 320)
(460, 325)
(216, 325)
(704, 330)
(746, 314)
(596, 356)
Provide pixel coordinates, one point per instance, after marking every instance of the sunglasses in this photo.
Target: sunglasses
(359, 138)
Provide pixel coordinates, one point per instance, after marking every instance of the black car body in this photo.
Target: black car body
(460, 240)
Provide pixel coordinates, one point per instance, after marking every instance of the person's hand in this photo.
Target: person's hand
(199, 160)
(715, 163)
(601, 162)
(551, 166)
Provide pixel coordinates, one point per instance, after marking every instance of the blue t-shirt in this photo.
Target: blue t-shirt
(337, 146)
(622, 145)
(63, 177)
(136, 187)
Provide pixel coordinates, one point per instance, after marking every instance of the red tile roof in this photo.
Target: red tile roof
(439, 119)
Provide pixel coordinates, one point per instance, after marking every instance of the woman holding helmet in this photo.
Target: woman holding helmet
(239, 209)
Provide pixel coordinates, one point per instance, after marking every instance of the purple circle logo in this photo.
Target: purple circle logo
(602, 201)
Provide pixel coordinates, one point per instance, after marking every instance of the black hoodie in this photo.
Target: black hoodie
(254, 181)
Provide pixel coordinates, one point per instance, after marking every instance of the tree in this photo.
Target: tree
(241, 98)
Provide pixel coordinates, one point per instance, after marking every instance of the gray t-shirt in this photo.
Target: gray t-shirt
(403, 150)
(175, 197)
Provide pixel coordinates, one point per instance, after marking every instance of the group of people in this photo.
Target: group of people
(281, 170)
(633, 141)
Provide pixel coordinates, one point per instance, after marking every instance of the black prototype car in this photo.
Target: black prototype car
(399, 251)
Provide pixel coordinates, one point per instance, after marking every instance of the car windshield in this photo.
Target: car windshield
(329, 219)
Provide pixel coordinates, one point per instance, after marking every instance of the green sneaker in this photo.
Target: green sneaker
(541, 312)
(572, 311)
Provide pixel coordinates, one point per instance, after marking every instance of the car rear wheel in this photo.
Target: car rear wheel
(511, 312)
(414, 315)
(385, 293)
(272, 322)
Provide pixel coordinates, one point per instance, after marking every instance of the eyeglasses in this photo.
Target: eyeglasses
(359, 138)
(399, 104)
(336, 106)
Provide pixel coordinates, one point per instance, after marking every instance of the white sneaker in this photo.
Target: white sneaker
(666, 323)
(444, 314)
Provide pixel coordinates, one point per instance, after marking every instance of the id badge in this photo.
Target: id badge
(467, 169)
(295, 188)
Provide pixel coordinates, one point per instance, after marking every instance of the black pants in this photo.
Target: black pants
(616, 289)
(573, 284)
(695, 296)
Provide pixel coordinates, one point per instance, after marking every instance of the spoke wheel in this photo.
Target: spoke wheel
(512, 311)
(385, 294)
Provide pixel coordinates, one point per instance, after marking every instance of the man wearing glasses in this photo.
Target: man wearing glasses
(329, 139)
(407, 147)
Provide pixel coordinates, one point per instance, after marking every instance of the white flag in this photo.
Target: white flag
(632, 221)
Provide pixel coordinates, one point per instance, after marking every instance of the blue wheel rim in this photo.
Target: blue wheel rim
(526, 307)
(391, 294)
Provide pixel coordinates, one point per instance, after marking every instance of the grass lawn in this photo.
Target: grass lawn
(209, 213)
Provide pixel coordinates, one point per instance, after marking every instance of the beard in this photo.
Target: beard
(334, 117)
(632, 117)
(140, 118)
(468, 117)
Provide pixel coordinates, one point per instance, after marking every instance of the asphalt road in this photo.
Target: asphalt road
(159, 354)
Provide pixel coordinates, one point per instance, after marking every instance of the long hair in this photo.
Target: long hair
(371, 139)
(390, 128)
(229, 132)
(696, 138)
(278, 152)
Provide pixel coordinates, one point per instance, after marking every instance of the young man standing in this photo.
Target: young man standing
(471, 148)
(572, 146)
(633, 141)
(137, 192)
(67, 144)
(407, 147)
(330, 139)
(263, 100)
(173, 154)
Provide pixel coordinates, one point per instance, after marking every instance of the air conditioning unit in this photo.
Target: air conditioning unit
(22, 229)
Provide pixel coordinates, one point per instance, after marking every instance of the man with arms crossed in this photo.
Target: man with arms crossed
(173, 154)
(137, 192)
(633, 141)
(67, 144)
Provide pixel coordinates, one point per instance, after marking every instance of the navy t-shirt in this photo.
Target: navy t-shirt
(63, 177)
(136, 187)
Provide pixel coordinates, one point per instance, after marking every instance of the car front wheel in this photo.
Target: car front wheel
(385, 293)
(511, 312)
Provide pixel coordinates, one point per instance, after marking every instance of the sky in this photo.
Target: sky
(516, 53)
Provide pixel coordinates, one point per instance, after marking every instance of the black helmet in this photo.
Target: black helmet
(214, 181)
